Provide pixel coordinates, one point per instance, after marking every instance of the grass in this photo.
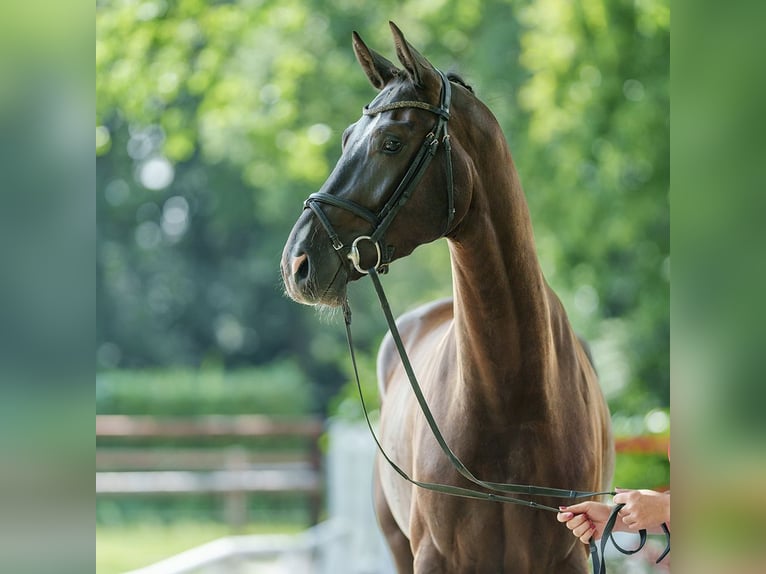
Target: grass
(127, 547)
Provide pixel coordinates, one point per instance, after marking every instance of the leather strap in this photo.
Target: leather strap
(453, 458)
(599, 566)
(367, 111)
(436, 487)
(354, 208)
(383, 219)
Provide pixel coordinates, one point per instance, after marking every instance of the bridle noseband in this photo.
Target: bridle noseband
(381, 220)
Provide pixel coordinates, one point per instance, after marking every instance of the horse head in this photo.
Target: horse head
(385, 196)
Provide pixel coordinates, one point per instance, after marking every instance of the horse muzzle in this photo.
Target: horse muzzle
(314, 276)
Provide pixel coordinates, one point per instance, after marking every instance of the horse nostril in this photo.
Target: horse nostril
(300, 266)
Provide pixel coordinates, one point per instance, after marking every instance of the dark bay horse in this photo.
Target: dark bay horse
(508, 382)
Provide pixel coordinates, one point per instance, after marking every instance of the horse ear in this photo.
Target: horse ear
(378, 69)
(415, 63)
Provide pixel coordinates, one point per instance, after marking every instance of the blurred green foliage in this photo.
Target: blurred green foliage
(279, 389)
(216, 119)
(269, 510)
(642, 471)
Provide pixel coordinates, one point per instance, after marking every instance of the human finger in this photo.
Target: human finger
(627, 516)
(634, 527)
(621, 497)
(586, 526)
(577, 508)
(584, 531)
(586, 537)
(577, 522)
(629, 519)
(564, 516)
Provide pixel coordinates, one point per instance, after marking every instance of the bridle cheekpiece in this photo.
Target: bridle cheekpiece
(381, 220)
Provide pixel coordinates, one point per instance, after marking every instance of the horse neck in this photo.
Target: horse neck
(502, 311)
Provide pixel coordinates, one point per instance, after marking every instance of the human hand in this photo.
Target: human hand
(644, 509)
(586, 520)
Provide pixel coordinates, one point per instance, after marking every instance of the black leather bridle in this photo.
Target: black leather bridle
(381, 220)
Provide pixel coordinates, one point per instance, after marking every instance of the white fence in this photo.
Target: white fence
(273, 554)
(349, 501)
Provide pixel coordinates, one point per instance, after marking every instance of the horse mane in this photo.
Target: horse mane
(454, 77)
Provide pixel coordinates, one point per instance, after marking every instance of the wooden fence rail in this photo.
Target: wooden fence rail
(206, 426)
(644, 444)
(233, 471)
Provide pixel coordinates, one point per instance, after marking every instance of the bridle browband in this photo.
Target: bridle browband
(381, 220)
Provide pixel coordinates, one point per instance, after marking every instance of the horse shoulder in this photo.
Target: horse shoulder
(413, 327)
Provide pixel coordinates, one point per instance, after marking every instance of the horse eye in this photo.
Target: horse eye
(391, 145)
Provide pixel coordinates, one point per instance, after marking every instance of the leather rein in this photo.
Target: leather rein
(380, 222)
